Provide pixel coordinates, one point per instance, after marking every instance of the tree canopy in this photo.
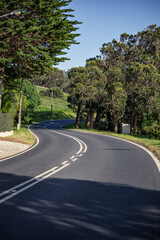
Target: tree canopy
(36, 40)
(124, 82)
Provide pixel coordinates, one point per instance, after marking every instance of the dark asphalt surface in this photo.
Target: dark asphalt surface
(112, 191)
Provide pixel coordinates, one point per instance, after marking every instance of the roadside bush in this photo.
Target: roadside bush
(31, 99)
(152, 131)
(10, 102)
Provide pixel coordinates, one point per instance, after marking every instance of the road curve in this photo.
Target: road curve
(75, 185)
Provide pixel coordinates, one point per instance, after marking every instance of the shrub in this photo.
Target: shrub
(31, 99)
(152, 131)
(10, 102)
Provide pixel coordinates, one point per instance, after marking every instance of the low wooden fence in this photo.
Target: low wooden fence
(6, 123)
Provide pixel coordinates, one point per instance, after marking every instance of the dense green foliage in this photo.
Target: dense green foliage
(56, 78)
(32, 101)
(56, 91)
(122, 85)
(10, 102)
(34, 41)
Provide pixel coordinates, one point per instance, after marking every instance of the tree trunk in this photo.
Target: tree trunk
(52, 104)
(131, 123)
(115, 119)
(89, 123)
(78, 117)
(139, 124)
(20, 107)
(1, 84)
(98, 119)
(92, 115)
(134, 124)
(109, 124)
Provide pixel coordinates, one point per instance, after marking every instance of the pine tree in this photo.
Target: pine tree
(34, 41)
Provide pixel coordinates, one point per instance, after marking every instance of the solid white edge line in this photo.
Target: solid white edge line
(157, 162)
(27, 150)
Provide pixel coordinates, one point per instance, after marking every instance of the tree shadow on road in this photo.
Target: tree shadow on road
(72, 209)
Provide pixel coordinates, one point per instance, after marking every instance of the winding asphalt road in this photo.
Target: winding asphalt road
(75, 186)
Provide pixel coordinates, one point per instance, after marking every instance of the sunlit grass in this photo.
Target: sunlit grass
(60, 109)
(21, 136)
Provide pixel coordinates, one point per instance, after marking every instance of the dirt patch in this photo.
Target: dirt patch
(8, 148)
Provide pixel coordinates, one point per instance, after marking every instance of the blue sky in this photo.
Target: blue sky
(104, 20)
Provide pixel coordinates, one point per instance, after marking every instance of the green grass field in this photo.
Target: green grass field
(60, 109)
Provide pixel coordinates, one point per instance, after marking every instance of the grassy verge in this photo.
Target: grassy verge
(21, 136)
(152, 144)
